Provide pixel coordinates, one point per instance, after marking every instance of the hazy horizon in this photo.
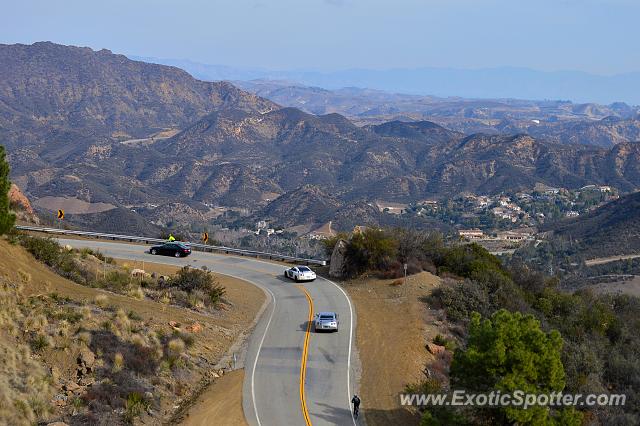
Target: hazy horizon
(593, 36)
(484, 83)
(583, 51)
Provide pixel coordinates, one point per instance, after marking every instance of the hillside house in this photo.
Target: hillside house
(471, 234)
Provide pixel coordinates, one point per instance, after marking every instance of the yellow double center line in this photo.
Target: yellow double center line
(305, 352)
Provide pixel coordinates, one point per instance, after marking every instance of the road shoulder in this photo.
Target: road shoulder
(393, 323)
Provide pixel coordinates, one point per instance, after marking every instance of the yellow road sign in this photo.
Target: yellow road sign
(60, 214)
(205, 237)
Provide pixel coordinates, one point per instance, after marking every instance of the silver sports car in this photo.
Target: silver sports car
(326, 321)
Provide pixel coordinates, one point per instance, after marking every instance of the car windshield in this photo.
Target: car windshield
(304, 269)
(182, 246)
(326, 317)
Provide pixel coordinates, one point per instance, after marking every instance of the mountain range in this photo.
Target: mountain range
(487, 83)
(157, 144)
(560, 121)
(50, 92)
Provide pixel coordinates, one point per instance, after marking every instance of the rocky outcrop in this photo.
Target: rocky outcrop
(338, 260)
(18, 199)
(435, 349)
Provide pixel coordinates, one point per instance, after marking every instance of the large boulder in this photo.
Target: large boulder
(138, 273)
(86, 358)
(435, 349)
(337, 267)
(18, 199)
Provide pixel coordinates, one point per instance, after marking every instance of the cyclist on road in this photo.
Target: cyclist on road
(356, 405)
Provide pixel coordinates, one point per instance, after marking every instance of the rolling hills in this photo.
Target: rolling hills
(98, 133)
(559, 121)
(613, 229)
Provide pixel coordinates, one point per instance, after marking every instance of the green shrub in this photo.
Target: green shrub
(510, 352)
(443, 341)
(370, 250)
(84, 252)
(7, 219)
(188, 339)
(49, 252)
(97, 254)
(39, 342)
(115, 281)
(472, 261)
(46, 250)
(134, 316)
(71, 315)
(135, 405)
(460, 299)
(190, 279)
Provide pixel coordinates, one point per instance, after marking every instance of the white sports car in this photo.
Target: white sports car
(300, 273)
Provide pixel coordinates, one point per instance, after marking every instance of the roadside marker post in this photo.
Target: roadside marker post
(60, 217)
(405, 266)
(205, 237)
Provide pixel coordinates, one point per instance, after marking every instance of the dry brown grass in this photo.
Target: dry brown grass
(102, 300)
(118, 362)
(24, 386)
(176, 346)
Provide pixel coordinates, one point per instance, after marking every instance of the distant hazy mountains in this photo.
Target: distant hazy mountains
(560, 121)
(160, 145)
(492, 83)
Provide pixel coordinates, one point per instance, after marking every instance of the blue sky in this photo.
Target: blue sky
(596, 36)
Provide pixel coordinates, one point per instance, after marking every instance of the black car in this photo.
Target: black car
(171, 249)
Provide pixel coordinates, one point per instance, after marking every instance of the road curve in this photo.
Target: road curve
(272, 388)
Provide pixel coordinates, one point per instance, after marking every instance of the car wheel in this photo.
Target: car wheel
(296, 278)
(285, 274)
(154, 251)
(177, 254)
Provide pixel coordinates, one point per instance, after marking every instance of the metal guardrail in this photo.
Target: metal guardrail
(194, 246)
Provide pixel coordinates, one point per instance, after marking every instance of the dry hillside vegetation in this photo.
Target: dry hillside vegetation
(87, 356)
(195, 289)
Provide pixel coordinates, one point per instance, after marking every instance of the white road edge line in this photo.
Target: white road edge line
(255, 361)
(350, 344)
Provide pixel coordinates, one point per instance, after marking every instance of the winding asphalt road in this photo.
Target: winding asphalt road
(293, 376)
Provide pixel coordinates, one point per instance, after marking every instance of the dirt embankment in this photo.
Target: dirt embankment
(394, 324)
(220, 403)
(216, 334)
